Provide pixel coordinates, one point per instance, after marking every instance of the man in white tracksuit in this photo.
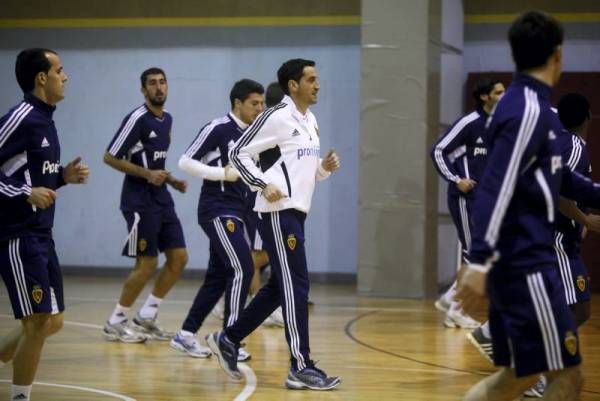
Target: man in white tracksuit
(285, 138)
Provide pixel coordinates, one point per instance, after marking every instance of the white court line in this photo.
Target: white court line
(246, 393)
(80, 388)
(328, 306)
(250, 382)
(68, 322)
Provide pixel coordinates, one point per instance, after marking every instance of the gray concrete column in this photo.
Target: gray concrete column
(397, 245)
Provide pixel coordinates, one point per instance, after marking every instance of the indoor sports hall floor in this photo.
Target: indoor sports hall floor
(384, 349)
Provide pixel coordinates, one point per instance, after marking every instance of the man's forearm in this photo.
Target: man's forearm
(126, 166)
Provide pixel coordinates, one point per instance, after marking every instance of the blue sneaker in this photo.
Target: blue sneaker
(190, 345)
(226, 353)
(311, 378)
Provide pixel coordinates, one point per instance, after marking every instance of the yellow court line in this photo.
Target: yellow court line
(179, 22)
(508, 18)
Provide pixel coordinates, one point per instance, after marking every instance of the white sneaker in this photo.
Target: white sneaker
(275, 320)
(243, 355)
(459, 319)
(538, 390)
(123, 333)
(189, 345)
(219, 309)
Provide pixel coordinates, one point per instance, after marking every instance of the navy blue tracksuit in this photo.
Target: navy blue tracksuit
(514, 224)
(221, 212)
(458, 154)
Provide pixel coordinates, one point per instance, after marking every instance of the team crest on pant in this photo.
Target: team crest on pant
(291, 241)
(581, 283)
(37, 294)
(142, 245)
(230, 225)
(571, 343)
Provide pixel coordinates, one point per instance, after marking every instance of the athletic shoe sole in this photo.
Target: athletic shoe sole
(298, 385)
(117, 338)
(214, 347)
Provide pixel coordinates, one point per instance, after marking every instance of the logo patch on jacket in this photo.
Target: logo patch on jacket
(37, 294)
(581, 283)
(230, 225)
(291, 241)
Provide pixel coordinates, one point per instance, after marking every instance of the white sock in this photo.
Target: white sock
(485, 330)
(150, 308)
(186, 333)
(20, 393)
(119, 314)
(450, 293)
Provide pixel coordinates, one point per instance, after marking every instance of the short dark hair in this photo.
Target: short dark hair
(274, 94)
(31, 62)
(484, 86)
(573, 110)
(244, 88)
(533, 37)
(151, 71)
(292, 70)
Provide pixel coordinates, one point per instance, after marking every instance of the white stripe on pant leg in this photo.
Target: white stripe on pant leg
(21, 274)
(565, 269)
(549, 319)
(547, 306)
(546, 321)
(288, 291)
(541, 322)
(13, 265)
(21, 271)
(53, 302)
(131, 239)
(464, 217)
(236, 288)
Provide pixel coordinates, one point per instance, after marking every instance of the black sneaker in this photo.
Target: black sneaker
(310, 378)
(482, 343)
(226, 353)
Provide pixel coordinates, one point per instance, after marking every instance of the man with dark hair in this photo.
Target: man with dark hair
(512, 257)
(30, 174)
(285, 138)
(139, 150)
(459, 156)
(274, 94)
(221, 215)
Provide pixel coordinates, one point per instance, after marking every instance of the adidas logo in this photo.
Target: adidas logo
(20, 397)
(551, 135)
(479, 140)
(295, 133)
(152, 135)
(45, 143)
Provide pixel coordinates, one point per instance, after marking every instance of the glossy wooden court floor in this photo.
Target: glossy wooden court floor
(384, 349)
